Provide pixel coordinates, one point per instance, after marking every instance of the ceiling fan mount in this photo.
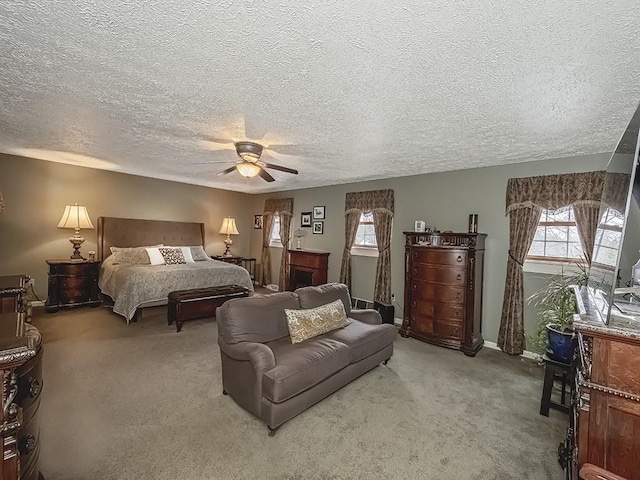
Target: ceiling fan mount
(249, 149)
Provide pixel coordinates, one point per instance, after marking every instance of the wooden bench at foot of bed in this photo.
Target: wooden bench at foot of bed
(200, 302)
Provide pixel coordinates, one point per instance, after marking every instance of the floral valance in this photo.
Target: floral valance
(370, 201)
(278, 206)
(553, 192)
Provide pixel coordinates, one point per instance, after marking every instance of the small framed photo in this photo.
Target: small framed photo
(257, 222)
(318, 227)
(318, 213)
(305, 219)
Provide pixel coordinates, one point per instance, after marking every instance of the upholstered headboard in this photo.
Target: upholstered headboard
(132, 232)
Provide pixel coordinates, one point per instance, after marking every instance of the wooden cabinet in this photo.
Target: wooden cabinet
(607, 403)
(443, 289)
(306, 268)
(232, 260)
(21, 367)
(72, 284)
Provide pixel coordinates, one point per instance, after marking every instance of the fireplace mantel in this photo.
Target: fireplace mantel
(307, 267)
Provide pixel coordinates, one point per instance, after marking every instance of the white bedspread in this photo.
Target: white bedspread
(133, 285)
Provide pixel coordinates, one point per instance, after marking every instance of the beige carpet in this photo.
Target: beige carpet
(144, 402)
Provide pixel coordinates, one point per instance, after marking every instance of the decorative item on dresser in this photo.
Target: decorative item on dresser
(443, 289)
(21, 366)
(72, 284)
(307, 268)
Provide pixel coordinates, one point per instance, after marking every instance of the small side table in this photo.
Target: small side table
(235, 260)
(72, 284)
(554, 370)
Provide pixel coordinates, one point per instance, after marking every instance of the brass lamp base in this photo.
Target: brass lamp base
(76, 241)
(228, 242)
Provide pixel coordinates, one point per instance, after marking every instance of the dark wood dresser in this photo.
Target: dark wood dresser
(21, 366)
(605, 423)
(307, 268)
(443, 289)
(72, 284)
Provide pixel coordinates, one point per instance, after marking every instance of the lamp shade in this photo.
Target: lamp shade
(75, 216)
(229, 226)
(248, 169)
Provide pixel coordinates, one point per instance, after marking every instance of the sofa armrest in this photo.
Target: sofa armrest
(260, 355)
(368, 315)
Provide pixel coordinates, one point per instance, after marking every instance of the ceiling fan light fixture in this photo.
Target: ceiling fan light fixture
(249, 149)
(247, 169)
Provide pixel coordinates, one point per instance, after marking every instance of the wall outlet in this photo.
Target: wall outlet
(393, 297)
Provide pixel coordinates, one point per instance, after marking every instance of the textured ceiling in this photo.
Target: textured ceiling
(343, 90)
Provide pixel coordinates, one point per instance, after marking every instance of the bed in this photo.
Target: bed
(133, 286)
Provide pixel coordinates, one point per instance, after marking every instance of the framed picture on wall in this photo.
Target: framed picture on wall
(305, 219)
(318, 213)
(257, 222)
(318, 227)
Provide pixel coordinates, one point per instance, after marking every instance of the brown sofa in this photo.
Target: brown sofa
(276, 380)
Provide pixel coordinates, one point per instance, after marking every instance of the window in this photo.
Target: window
(608, 238)
(556, 237)
(366, 234)
(275, 232)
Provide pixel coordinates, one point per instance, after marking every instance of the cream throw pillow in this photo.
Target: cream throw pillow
(304, 324)
(131, 255)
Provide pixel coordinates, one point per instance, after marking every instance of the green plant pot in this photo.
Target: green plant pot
(561, 344)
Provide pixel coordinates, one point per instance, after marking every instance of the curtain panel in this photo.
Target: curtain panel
(381, 204)
(525, 200)
(283, 207)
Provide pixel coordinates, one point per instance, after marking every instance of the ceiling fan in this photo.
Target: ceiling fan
(250, 165)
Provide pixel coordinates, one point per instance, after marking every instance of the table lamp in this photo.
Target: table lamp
(76, 217)
(228, 228)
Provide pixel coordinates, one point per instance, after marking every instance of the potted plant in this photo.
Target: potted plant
(556, 303)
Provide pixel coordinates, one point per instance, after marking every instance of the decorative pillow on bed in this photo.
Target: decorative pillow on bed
(135, 255)
(172, 255)
(198, 253)
(304, 324)
(155, 257)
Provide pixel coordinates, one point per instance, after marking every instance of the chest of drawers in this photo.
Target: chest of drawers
(21, 367)
(72, 284)
(443, 289)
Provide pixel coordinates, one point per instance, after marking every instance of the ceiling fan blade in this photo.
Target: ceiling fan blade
(228, 170)
(217, 145)
(265, 175)
(281, 168)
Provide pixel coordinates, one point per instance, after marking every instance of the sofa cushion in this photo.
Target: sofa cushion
(300, 366)
(259, 318)
(363, 339)
(311, 297)
(304, 324)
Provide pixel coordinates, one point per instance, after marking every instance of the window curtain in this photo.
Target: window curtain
(525, 199)
(381, 204)
(587, 219)
(265, 258)
(283, 207)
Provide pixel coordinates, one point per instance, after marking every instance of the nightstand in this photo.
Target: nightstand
(235, 260)
(72, 284)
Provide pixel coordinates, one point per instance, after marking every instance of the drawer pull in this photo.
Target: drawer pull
(459, 259)
(27, 444)
(414, 287)
(415, 271)
(456, 314)
(34, 387)
(414, 304)
(458, 276)
(456, 331)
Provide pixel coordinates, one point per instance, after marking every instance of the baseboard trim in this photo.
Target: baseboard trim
(37, 303)
(526, 354)
(397, 321)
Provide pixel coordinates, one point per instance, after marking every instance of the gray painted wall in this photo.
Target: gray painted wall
(443, 200)
(36, 192)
